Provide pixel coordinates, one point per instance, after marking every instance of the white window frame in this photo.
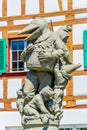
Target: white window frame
(25, 45)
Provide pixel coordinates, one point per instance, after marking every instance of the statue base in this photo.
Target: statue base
(38, 125)
(42, 128)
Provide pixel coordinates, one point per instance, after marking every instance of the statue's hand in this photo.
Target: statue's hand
(57, 54)
(23, 55)
(45, 56)
(30, 48)
(59, 115)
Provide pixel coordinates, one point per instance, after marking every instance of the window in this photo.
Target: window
(16, 48)
(65, 129)
(85, 48)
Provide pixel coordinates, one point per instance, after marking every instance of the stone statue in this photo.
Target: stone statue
(50, 67)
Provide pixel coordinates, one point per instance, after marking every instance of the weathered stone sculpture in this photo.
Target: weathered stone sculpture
(50, 66)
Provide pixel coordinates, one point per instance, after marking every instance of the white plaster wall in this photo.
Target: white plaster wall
(64, 4)
(78, 58)
(77, 4)
(2, 24)
(80, 85)
(32, 6)
(55, 19)
(1, 105)
(48, 19)
(0, 34)
(64, 104)
(51, 6)
(80, 16)
(1, 88)
(13, 7)
(77, 31)
(0, 8)
(56, 28)
(14, 128)
(8, 119)
(14, 31)
(13, 105)
(70, 118)
(81, 102)
(13, 85)
(20, 22)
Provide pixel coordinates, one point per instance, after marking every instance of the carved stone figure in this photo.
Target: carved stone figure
(37, 105)
(40, 71)
(50, 67)
(20, 101)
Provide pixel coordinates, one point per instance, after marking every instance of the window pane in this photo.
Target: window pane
(14, 45)
(83, 128)
(14, 55)
(20, 45)
(21, 66)
(20, 54)
(65, 128)
(14, 66)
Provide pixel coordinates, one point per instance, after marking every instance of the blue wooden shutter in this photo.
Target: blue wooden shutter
(3, 55)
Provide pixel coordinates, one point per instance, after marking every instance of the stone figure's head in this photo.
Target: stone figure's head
(19, 93)
(35, 28)
(47, 93)
(50, 105)
(63, 33)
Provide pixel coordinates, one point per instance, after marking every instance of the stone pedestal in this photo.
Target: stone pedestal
(38, 125)
(42, 128)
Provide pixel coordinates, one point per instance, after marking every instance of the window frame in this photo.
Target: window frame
(10, 55)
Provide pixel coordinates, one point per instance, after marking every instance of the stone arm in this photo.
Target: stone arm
(20, 103)
(29, 49)
(57, 54)
(49, 56)
(23, 55)
(65, 56)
